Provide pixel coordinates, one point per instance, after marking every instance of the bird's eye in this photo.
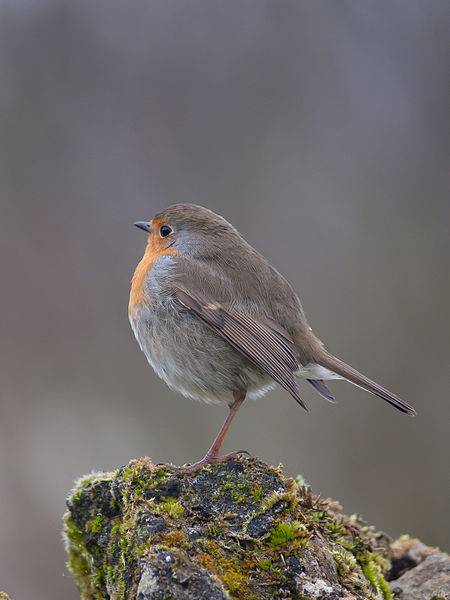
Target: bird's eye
(165, 231)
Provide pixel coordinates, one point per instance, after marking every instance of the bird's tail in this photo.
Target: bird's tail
(339, 367)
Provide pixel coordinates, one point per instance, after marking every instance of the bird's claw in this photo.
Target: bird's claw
(210, 460)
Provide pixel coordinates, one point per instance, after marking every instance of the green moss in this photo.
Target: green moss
(334, 527)
(239, 491)
(214, 529)
(229, 569)
(235, 582)
(373, 573)
(172, 508)
(257, 493)
(128, 473)
(141, 477)
(174, 538)
(271, 565)
(348, 570)
(115, 560)
(94, 525)
(89, 563)
(79, 563)
(84, 482)
(287, 495)
(264, 564)
(286, 532)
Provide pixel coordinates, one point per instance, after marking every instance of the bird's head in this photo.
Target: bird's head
(188, 230)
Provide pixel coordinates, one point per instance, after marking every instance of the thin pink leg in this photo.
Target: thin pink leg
(212, 456)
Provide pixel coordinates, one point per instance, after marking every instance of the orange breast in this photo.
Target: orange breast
(155, 249)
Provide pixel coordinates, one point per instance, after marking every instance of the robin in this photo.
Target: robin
(218, 323)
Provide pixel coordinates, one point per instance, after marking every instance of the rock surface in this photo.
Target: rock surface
(421, 572)
(239, 530)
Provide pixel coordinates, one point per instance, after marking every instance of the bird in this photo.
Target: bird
(218, 323)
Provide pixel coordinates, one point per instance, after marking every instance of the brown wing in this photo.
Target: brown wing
(262, 345)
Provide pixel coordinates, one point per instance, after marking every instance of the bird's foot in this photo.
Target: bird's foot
(210, 459)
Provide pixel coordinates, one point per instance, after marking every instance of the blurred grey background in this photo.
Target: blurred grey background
(321, 129)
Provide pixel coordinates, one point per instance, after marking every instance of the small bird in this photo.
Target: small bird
(218, 323)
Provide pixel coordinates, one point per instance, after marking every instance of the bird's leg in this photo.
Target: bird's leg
(212, 456)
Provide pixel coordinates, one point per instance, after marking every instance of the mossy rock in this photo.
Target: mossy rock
(237, 530)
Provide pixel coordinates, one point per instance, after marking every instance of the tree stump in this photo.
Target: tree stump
(238, 530)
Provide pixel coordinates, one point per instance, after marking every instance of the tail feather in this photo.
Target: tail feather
(323, 390)
(353, 376)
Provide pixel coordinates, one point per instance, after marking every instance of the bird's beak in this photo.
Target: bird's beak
(143, 225)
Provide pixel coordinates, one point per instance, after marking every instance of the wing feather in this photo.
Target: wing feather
(261, 344)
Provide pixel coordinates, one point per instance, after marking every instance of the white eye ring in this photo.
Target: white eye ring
(165, 230)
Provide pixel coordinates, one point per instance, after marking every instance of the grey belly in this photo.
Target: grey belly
(192, 359)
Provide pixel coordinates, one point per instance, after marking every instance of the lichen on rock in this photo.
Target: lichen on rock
(237, 530)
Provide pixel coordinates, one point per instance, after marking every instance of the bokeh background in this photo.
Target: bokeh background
(321, 129)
